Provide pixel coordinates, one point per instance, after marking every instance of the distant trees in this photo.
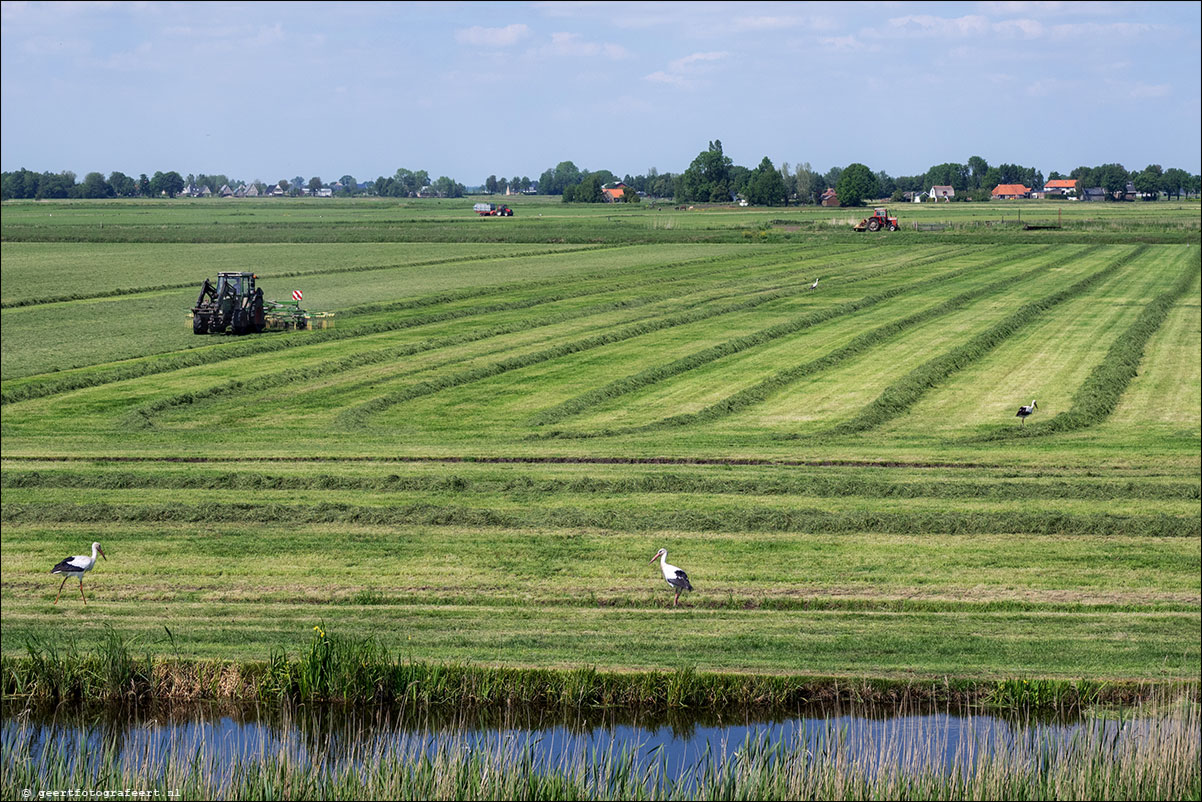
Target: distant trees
(95, 186)
(169, 183)
(766, 187)
(555, 180)
(711, 177)
(856, 184)
(445, 187)
(587, 191)
(123, 186)
(807, 184)
(708, 177)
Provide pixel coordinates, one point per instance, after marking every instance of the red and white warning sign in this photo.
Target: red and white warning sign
(297, 295)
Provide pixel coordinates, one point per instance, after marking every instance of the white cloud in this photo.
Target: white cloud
(845, 43)
(1142, 91)
(492, 37)
(573, 45)
(686, 72)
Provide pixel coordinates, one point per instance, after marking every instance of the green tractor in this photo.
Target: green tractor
(233, 304)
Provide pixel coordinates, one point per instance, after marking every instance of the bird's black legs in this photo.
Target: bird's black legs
(60, 590)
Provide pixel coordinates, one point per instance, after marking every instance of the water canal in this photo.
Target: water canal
(666, 755)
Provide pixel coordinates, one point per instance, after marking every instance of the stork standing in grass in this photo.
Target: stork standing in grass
(814, 286)
(1023, 412)
(672, 575)
(77, 566)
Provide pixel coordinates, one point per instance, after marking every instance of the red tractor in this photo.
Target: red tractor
(880, 219)
(492, 210)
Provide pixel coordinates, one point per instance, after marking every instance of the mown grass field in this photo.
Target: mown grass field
(511, 416)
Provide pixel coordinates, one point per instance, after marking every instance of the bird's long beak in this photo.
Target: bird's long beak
(653, 559)
(102, 553)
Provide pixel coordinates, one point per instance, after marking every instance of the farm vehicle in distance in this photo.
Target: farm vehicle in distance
(236, 305)
(492, 210)
(880, 219)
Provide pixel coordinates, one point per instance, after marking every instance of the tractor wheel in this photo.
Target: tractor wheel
(238, 322)
(893, 226)
(258, 321)
(874, 225)
(200, 324)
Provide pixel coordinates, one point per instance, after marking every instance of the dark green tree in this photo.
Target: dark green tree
(708, 176)
(856, 184)
(95, 186)
(765, 186)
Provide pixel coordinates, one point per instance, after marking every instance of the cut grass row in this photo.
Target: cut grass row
(633, 515)
(660, 373)
(52, 269)
(819, 484)
(904, 393)
(376, 317)
(760, 391)
(375, 352)
(508, 402)
(1100, 393)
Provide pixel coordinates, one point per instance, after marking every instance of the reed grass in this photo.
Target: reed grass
(1150, 753)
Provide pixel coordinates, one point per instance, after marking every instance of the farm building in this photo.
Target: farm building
(614, 193)
(830, 198)
(943, 193)
(1061, 186)
(1093, 194)
(1010, 191)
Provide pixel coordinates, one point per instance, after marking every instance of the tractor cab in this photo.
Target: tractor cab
(233, 304)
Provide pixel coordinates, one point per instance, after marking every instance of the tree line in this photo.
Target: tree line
(711, 177)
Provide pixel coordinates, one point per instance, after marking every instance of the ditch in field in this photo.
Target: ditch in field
(226, 746)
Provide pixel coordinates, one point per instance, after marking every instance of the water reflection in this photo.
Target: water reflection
(338, 736)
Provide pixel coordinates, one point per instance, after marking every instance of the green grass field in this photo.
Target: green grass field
(512, 415)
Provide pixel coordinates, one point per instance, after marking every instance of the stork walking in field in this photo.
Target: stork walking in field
(672, 575)
(814, 286)
(1023, 412)
(77, 566)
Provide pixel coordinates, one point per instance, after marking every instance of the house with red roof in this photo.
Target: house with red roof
(614, 193)
(1061, 186)
(1010, 191)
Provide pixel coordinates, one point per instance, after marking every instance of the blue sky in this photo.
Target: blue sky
(276, 90)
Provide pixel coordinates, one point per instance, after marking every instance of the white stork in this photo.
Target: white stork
(77, 566)
(672, 575)
(814, 286)
(1023, 412)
